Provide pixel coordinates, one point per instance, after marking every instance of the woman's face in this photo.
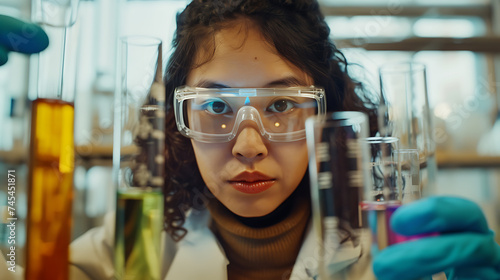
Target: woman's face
(250, 175)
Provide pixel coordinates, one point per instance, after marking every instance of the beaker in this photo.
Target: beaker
(138, 159)
(338, 172)
(404, 113)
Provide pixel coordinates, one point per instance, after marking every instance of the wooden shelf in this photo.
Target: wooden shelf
(84, 153)
(15, 156)
(486, 44)
(469, 159)
(93, 151)
(407, 10)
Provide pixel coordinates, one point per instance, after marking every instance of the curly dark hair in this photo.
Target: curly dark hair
(298, 31)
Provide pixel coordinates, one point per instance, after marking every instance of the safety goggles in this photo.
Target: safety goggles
(214, 115)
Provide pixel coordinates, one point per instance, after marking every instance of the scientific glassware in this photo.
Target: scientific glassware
(382, 197)
(138, 159)
(338, 172)
(411, 190)
(404, 113)
(395, 181)
(388, 189)
(409, 168)
(51, 162)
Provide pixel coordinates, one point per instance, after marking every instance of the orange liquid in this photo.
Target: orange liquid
(50, 190)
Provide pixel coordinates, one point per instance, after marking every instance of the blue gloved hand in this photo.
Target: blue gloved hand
(465, 244)
(20, 36)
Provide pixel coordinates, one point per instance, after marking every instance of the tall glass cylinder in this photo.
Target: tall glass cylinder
(138, 159)
(339, 174)
(404, 113)
(51, 160)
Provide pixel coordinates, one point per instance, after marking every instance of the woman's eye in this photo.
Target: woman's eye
(217, 107)
(281, 106)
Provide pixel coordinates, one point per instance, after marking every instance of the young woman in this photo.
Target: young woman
(249, 174)
(237, 195)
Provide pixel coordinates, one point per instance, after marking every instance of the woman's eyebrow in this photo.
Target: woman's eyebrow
(209, 84)
(285, 82)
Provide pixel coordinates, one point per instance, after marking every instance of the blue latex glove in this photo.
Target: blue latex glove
(20, 36)
(465, 244)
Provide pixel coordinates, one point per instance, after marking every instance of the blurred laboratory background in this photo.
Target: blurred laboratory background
(458, 41)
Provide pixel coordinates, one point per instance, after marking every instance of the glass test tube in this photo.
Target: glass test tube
(51, 160)
(138, 160)
(338, 174)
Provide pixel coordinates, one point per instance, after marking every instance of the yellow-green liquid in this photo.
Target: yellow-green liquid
(139, 223)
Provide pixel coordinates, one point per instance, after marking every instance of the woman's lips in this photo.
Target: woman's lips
(252, 187)
(252, 182)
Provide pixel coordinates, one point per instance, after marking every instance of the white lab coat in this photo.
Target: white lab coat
(199, 255)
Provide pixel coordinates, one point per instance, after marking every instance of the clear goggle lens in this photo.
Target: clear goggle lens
(215, 115)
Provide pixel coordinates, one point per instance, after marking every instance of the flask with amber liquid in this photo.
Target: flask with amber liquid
(51, 157)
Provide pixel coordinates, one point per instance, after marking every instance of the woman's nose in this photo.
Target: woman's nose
(249, 145)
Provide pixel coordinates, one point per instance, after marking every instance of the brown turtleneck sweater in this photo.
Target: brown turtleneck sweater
(265, 247)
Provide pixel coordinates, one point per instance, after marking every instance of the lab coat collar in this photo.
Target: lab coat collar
(200, 256)
(307, 263)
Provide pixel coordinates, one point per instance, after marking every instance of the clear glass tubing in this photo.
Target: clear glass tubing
(138, 159)
(51, 158)
(338, 174)
(404, 113)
